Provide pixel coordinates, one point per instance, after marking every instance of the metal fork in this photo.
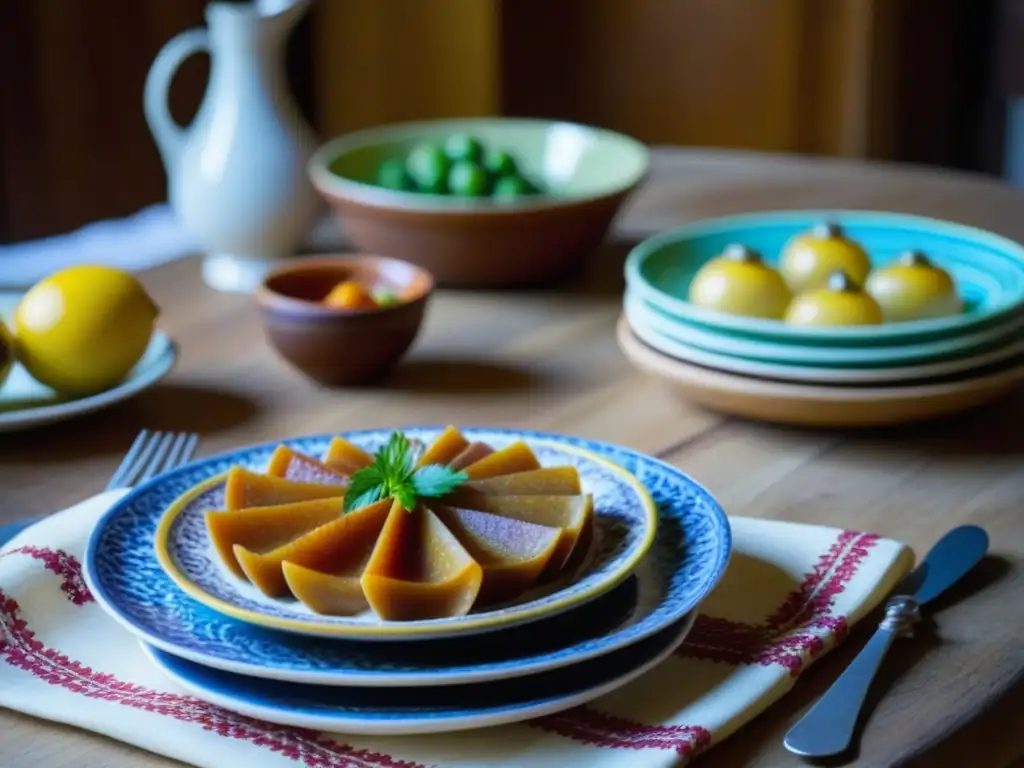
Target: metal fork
(150, 454)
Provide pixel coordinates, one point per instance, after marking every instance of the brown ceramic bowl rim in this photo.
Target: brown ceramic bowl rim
(267, 296)
(333, 186)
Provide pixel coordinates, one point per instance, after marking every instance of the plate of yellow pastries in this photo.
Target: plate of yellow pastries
(80, 339)
(829, 318)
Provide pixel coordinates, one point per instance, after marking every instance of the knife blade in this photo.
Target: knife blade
(827, 729)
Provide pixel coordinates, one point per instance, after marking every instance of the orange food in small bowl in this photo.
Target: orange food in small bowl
(344, 319)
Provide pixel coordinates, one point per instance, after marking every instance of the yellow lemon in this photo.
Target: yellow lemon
(6, 353)
(840, 302)
(913, 288)
(809, 258)
(739, 283)
(82, 329)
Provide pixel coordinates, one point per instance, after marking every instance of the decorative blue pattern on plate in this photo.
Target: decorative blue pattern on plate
(687, 559)
(625, 523)
(398, 711)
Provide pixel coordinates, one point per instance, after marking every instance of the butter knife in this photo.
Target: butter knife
(827, 729)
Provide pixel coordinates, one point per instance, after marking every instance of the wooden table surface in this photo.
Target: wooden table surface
(548, 360)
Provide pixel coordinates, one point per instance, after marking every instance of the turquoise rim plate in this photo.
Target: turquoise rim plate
(27, 404)
(824, 375)
(988, 268)
(994, 341)
(122, 561)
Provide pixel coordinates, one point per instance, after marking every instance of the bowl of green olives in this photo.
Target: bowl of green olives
(486, 202)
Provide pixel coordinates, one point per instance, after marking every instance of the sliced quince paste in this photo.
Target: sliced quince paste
(292, 465)
(471, 454)
(345, 458)
(484, 526)
(261, 529)
(419, 570)
(571, 515)
(516, 458)
(341, 547)
(251, 489)
(547, 481)
(448, 445)
(512, 553)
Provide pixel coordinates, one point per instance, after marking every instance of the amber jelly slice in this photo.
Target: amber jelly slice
(515, 458)
(512, 553)
(419, 570)
(342, 545)
(345, 458)
(446, 446)
(573, 515)
(292, 465)
(261, 529)
(473, 453)
(245, 489)
(547, 481)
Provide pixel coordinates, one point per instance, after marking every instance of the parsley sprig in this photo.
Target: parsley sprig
(393, 475)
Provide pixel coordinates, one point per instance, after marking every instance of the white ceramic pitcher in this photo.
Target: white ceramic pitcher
(236, 177)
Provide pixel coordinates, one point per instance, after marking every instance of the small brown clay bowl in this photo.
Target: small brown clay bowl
(586, 173)
(338, 347)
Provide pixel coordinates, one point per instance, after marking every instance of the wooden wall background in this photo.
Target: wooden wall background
(811, 76)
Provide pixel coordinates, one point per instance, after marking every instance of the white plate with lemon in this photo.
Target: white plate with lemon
(85, 340)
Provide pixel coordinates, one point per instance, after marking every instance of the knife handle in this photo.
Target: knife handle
(827, 729)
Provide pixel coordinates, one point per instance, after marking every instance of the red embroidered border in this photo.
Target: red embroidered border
(782, 639)
(64, 565)
(799, 625)
(20, 648)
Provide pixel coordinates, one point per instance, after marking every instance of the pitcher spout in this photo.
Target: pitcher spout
(275, 18)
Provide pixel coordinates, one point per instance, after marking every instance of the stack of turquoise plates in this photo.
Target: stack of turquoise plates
(864, 375)
(660, 543)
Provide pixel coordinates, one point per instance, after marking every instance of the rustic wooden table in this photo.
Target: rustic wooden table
(548, 359)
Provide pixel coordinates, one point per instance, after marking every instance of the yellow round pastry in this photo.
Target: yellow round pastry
(840, 302)
(739, 283)
(810, 257)
(6, 353)
(80, 330)
(914, 288)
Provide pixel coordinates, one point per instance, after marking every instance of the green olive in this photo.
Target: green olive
(501, 164)
(392, 175)
(428, 165)
(462, 146)
(507, 187)
(467, 179)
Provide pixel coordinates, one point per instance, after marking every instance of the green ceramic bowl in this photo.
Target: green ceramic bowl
(586, 174)
(988, 269)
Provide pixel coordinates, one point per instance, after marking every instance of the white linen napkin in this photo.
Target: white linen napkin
(790, 594)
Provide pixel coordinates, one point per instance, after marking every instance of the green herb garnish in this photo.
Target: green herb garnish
(393, 475)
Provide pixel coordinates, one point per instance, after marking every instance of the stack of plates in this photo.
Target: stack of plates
(661, 543)
(839, 376)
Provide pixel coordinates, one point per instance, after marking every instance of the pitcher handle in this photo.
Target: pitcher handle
(168, 134)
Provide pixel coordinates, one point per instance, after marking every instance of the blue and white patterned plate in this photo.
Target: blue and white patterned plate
(687, 559)
(407, 711)
(625, 516)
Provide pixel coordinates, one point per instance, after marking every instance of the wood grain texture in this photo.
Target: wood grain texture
(547, 359)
